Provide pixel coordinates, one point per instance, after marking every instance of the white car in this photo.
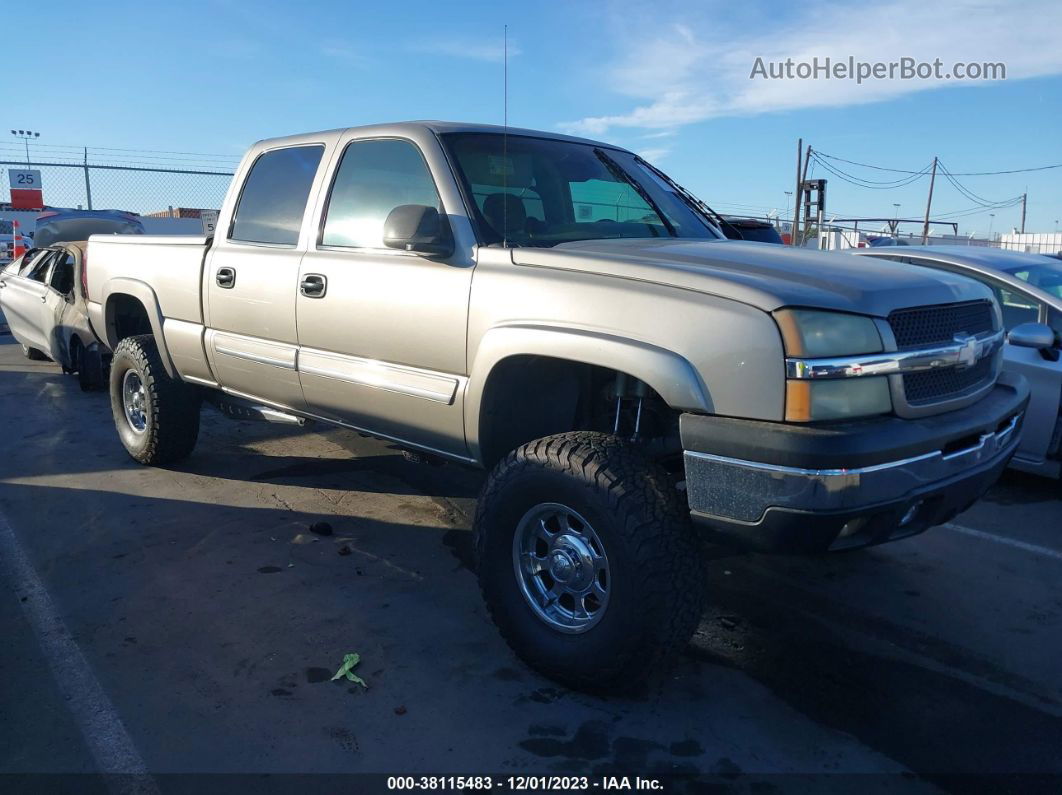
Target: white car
(1028, 288)
(42, 297)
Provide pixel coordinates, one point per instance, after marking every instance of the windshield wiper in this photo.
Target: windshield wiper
(692, 201)
(618, 172)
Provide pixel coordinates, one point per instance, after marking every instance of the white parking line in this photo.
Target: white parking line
(106, 737)
(1036, 549)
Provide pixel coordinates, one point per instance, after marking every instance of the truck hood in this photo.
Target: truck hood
(760, 274)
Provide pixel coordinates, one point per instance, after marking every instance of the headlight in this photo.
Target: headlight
(814, 334)
(811, 333)
(837, 399)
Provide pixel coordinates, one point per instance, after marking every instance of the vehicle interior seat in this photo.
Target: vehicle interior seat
(506, 214)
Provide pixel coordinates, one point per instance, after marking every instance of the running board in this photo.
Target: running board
(239, 409)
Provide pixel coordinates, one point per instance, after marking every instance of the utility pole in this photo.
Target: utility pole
(803, 179)
(1023, 198)
(929, 203)
(796, 208)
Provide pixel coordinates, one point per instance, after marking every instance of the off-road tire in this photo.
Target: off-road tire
(171, 407)
(656, 566)
(34, 355)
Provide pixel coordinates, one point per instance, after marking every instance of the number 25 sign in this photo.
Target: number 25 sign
(24, 179)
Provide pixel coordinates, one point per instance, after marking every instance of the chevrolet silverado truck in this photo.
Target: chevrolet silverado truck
(561, 313)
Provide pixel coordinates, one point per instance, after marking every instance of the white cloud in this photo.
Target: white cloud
(474, 49)
(341, 51)
(696, 71)
(655, 154)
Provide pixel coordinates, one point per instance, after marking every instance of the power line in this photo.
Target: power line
(866, 183)
(954, 173)
(969, 194)
(868, 165)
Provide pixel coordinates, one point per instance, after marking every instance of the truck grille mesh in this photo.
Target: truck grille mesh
(933, 386)
(924, 326)
(931, 325)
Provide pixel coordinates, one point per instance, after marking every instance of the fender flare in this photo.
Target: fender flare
(143, 292)
(670, 375)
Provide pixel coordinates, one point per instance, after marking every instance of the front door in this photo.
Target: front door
(382, 333)
(250, 279)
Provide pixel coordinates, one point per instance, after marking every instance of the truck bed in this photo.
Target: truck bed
(171, 265)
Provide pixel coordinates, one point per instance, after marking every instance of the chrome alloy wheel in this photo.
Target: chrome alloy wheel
(134, 401)
(562, 568)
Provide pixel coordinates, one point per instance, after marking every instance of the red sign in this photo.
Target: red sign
(27, 199)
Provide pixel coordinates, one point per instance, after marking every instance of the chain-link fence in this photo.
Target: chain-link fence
(842, 236)
(138, 189)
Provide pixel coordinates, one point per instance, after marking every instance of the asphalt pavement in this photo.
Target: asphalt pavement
(188, 620)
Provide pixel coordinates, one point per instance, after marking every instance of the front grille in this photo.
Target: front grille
(933, 386)
(933, 325)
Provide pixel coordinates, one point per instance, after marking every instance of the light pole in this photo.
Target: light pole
(991, 220)
(26, 135)
(788, 193)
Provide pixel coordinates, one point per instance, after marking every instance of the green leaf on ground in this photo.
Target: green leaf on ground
(347, 670)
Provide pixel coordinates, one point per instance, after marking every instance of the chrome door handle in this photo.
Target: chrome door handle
(226, 277)
(313, 285)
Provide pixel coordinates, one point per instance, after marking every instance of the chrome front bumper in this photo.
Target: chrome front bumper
(743, 491)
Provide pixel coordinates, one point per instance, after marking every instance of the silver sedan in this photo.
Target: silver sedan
(1028, 288)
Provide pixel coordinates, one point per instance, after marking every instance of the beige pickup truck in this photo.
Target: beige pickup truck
(563, 314)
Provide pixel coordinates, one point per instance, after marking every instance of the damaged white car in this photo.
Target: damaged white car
(42, 295)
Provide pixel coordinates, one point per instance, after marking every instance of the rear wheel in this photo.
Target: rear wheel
(587, 561)
(33, 354)
(157, 416)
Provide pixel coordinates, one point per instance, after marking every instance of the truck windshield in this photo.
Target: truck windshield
(543, 192)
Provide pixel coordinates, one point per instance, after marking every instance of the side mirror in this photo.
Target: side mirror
(1032, 335)
(416, 227)
(1035, 335)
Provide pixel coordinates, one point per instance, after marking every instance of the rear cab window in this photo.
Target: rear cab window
(273, 200)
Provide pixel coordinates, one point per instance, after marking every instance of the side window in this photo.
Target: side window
(1054, 320)
(374, 177)
(62, 278)
(29, 259)
(1017, 307)
(38, 271)
(274, 195)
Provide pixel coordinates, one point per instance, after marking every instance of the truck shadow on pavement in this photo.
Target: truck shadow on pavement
(203, 599)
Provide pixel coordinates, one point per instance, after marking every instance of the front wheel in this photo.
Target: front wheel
(587, 561)
(157, 416)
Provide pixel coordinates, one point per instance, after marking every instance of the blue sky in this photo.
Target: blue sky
(668, 79)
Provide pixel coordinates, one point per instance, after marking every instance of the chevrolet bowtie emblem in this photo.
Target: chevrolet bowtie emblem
(970, 351)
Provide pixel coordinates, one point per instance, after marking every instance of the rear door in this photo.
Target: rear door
(24, 297)
(251, 277)
(57, 299)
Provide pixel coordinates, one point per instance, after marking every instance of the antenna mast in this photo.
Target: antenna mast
(505, 136)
